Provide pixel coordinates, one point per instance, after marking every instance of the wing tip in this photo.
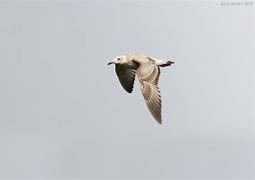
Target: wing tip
(129, 90)
(159, 120)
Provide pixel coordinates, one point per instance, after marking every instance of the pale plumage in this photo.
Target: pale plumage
(148, 72)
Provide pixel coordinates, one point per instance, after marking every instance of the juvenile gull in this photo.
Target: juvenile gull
(148, 71)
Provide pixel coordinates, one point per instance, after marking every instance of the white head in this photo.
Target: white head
(119, 60)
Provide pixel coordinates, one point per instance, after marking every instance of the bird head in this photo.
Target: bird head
(119, 60)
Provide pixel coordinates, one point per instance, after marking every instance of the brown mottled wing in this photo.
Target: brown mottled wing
(126, 77)
(148, 78)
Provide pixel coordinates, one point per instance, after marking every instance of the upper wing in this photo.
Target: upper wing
(126, 77)
(148, 77)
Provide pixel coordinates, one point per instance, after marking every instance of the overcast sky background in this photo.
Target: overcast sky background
(65, 115)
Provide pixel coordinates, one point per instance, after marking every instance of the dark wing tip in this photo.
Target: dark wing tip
(159, 121)
(157, 117)
(129, 90)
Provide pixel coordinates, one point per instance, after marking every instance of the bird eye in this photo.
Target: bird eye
(118, 59)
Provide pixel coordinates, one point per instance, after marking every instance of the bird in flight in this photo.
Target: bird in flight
(147, 70)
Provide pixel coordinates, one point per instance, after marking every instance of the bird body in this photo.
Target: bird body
(147, 70)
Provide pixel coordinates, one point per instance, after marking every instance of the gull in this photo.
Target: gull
(147, 70)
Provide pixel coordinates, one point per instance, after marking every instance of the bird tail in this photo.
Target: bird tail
(163, 63)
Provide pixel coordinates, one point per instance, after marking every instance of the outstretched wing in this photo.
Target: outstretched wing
(126, 77)
(148, 77)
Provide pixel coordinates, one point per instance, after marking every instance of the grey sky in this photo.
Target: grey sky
(65, 115)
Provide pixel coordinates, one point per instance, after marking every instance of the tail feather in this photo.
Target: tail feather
(161, 62)
(165, 63)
